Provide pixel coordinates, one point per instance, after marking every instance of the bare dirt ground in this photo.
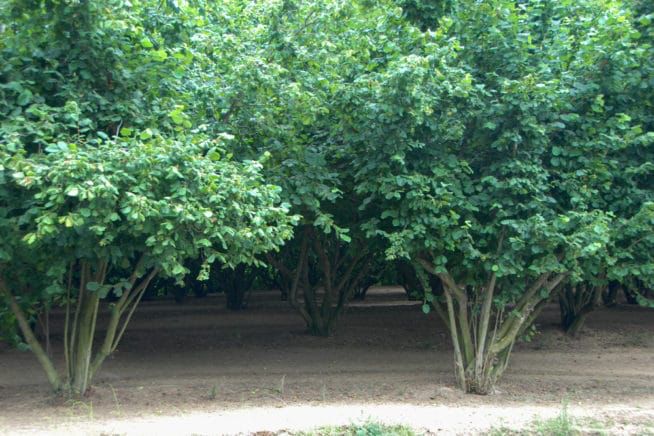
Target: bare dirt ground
(200, 369)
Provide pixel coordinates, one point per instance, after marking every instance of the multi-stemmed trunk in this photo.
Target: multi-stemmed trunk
(80, 324)
(577, 302)
(409, 280)
(327, 276)
(237, 284)
(482, 333)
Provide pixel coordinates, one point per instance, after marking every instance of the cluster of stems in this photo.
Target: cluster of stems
(82, 306)
(483, 333)
(326, 276)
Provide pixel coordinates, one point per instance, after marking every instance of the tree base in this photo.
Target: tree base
(321, 331)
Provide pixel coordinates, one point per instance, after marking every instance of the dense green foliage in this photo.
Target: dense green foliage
(508, 172)
(489, 157)
(100, 196)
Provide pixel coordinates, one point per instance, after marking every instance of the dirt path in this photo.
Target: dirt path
(424, 419)
(200, 369)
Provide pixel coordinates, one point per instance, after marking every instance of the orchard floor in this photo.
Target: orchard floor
(200, 369)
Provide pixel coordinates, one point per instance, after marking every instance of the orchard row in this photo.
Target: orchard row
(490, 156)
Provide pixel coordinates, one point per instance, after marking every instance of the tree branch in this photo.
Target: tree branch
(30, 338)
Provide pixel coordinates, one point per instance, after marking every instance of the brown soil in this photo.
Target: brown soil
(198, 358)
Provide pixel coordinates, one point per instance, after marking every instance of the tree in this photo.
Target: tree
(113, 216)
(325, 278)
(110, 175)
(460, 148)
(282, 93)
(237, 283)
(604, 156)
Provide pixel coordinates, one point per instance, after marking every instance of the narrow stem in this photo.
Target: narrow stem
(30, 338)
(484, 321)
(458, 357)
(67, 319)
(80, 300)
(516, 324)
(464, 324)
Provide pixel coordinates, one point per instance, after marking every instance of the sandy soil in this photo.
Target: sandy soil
(199, 369)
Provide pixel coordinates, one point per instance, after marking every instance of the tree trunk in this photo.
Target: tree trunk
(320, 327)
(577, 323)
(238, 286)
(482, 335)
(326, 266)
(576, 302)
(79, 332)
(32, 341)
(80, 371)
(610, 297)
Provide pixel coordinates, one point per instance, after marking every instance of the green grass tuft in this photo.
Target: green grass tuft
(366, 429)
(562, 425)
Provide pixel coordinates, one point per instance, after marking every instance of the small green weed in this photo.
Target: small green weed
(77, 406)
(367, 429)
(213, 393)
(562, 425)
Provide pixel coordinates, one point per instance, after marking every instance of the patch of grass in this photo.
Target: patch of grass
(116, 402)
(213, 393)
(599, 428)
(81, 408)
(367, 429)
(282, 384)
(503, 431)
(562, 425)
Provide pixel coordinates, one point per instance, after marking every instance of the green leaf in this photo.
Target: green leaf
(159, 55)
(214, 155)
(177, 117)
(30, 238)
(146, 134)
(25, 97)
(68, 221)
(72, 192)
(146, 43)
